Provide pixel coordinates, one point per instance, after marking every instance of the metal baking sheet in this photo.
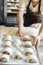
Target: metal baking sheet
(15, 62)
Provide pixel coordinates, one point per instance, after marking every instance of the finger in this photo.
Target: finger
(20, 34)
(36, 43)
(17, 33)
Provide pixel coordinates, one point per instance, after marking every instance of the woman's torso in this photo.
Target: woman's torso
(30, 16)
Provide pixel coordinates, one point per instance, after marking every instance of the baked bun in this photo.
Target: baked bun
(16, 42)
(4, 58)
(27, 44)
(6, 50)
(28, 51)
(7, 44)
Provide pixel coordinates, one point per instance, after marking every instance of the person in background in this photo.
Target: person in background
(32, 16)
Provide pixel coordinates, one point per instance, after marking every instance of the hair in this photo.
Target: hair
(38, 6)
(28, 4)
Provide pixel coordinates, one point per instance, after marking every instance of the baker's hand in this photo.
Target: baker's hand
(19, 32)
(37, 41)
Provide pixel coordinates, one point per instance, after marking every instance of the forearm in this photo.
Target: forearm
(41, 29)
(20, 20)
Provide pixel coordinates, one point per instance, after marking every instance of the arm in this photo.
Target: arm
(20, 13)
(41, 29)
(41, 8)
(37, 40)
(20, 20)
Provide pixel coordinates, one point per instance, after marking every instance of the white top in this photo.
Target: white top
(33, 9)
(24, 3)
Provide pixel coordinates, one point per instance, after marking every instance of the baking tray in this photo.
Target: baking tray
(15, 62)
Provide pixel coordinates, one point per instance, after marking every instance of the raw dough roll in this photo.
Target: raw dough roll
(4, 58)
(25, 38)
(6, 50)
(17, 42)
(7, 44)
(28, 51)
(7, 38)
(31, 59)
(27, 44)
(17, 55)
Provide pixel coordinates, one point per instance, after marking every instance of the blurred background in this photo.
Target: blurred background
(1, 10)
(10, 11)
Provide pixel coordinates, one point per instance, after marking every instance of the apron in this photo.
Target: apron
(31, 17)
